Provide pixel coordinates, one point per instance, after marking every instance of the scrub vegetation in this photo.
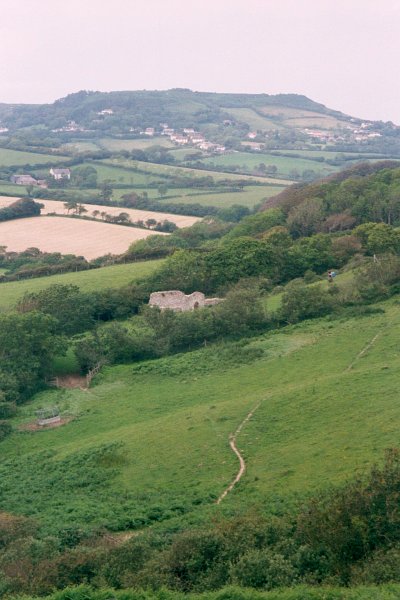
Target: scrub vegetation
(298, 367)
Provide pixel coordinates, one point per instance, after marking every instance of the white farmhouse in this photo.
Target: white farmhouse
(60, 173)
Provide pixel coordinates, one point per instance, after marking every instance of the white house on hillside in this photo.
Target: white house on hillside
(60, 173)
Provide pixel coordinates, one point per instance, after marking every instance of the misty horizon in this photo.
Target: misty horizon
(342, 55)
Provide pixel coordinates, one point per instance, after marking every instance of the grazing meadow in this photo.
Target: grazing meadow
(87, 281)
(149, 442)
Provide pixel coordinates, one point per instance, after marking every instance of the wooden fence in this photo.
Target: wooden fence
(92, 373)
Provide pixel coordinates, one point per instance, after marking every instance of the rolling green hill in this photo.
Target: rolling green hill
(85, 121)
(149, 443)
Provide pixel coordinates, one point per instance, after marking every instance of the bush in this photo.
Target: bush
(7, 410)
(5, 430)
(350, 523)
(263, 569)
(301, 302)
(382, 567)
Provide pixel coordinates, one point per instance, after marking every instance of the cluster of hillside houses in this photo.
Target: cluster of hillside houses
(56, 173)
(188, 136)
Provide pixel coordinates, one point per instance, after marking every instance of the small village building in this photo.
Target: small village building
(206, 146)
(179, 139)
(60, 173)
(197, 138)
(180, 302)
(23, 180)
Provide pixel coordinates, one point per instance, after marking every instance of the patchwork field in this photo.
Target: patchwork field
(154, 440)
(56, 206)
(116, 144)
(94, 279)
(254, 120)
(249, 161)
(90, 239)
(173, 171)
(249, 196)
(303, 118)
(138, 144)
(15, 157)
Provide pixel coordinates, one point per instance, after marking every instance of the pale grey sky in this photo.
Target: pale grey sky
(343, 53)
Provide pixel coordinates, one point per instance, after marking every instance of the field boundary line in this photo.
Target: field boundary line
(232, 444)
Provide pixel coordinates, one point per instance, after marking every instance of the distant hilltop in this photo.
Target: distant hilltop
(282, 121)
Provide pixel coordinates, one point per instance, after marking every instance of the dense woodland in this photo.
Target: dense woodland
(344, 536)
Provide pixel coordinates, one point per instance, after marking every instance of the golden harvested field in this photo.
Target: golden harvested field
(69, 236)
(56, 206)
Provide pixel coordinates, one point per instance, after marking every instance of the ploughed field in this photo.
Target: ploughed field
(150, 442)
(90, 239)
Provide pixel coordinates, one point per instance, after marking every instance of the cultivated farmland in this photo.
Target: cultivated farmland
(15, 157)
(249, 196)
(248, 162)
(69, 236)
(56, 206)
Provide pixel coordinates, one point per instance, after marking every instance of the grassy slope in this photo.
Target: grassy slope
(15, 157)
(250, 196)
(254, 120)
(155, 168)
(95, 279)
(284, 164)
(316, 424)
(116, 144)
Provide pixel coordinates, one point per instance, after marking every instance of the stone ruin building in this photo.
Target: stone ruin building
(180, 302)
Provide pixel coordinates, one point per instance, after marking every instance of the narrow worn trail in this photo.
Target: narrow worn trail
(232, 443)
(363, 351)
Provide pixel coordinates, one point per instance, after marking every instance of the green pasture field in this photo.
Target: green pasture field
(250, 196)
(180, 153)
(248, 161)
(254, 120)
(81, 146)
(94, 279)
(149, 442)
(172, 171)
(16, 157)
(107, 170)
(333, 154)
(115, 145)
(10, 189)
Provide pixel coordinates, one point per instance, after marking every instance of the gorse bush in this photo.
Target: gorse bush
(349, 535)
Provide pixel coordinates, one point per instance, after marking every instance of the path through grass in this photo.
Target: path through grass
(151, 441)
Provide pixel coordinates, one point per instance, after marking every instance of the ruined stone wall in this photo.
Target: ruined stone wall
(180, 302)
